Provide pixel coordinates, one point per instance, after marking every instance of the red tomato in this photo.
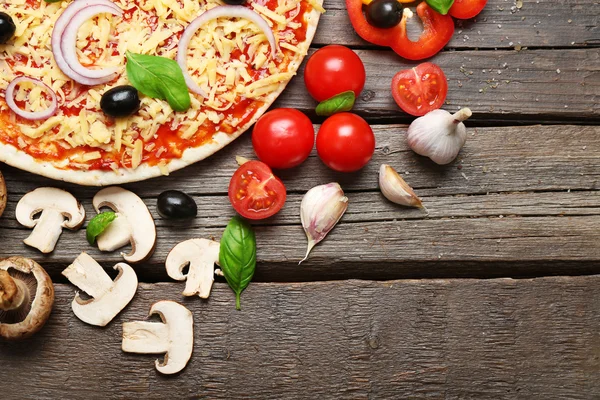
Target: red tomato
(465, 9)
(332, 70)
(283, 138)
(345, 142)
(420, 89)
(254, 192)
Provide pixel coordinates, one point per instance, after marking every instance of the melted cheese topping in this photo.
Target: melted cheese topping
(228, 58)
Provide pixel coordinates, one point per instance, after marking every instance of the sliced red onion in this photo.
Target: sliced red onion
(32, 116)
(59, 29)
(218, 12)
(68, 42)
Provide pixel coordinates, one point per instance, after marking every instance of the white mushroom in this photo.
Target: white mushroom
(134, 224)
(59, 209)
(108, 297)
(174, 337)
(201, 255)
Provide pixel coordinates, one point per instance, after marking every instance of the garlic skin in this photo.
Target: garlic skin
(395, 189)
(439, 135)
(320, 210)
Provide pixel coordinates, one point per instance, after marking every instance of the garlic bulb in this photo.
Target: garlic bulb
(395, 189)
(320, 210)
(439, 135)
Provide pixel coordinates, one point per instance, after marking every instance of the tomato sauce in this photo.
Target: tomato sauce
(167, 144)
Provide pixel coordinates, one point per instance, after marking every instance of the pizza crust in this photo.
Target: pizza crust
(18, 159)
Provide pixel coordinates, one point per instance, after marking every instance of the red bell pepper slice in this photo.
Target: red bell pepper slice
(437, 31)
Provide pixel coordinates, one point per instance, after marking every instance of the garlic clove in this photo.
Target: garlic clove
(439, 135)
(395, 189)
(321, 209)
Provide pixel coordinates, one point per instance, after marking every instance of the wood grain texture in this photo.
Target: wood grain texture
(551, 23)
(538, 85)
(437, 339)
(523, 198)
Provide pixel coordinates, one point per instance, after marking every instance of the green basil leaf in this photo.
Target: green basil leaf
(338, 103)
(441, 6)
(237, 256)
(52, 1)
(98, 224)
(159, 78)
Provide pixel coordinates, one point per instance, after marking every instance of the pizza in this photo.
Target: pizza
(229, 59)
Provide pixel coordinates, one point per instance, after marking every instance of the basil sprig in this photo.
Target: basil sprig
(159, 78)
(237, 256)
(338, 103)
(98, 224)
(441, 6)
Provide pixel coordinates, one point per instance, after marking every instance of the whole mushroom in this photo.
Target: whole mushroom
(3, 194)
(26, 298)
(58, 208)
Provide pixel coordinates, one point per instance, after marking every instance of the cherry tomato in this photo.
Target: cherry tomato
(465, 9)
(283, 138)
(332, 70)
(254, 192)
(420, 89)
(345, 142)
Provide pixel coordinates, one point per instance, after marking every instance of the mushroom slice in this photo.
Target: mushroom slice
(55, 205)
(201, 255)
(3, 194)
(26, 298)
(134, 224)
(108, 297)
(175, 336)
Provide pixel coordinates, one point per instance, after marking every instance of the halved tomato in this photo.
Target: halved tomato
(254, 192)
(420, 89)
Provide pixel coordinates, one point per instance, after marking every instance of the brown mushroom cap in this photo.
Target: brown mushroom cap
(28, 275)
(3, 194)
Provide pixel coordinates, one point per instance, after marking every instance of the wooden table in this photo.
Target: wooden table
(491, 296)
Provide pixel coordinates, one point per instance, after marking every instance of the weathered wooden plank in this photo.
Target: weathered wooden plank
(353, 339)
(553, 23)
(429, 247)
(496, 85)
(455, 237)
(506, 159)
(216, 211)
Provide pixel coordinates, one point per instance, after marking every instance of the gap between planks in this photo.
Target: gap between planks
(398, 339)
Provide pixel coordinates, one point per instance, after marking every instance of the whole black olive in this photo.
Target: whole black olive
(384, 13)
(7, 28)
(234, 2)
(174, 204)
(120, 101)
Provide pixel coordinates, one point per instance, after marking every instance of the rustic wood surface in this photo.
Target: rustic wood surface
(522, 200)
(491, 339)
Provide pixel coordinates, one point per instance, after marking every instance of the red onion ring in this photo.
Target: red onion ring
(32, 116)
(218, 12)
(61, 25)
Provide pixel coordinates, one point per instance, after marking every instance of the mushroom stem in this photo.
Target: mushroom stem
(13, 294)
(46, 231)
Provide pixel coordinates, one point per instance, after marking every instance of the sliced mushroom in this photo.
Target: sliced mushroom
(55, 205)
(3, 194)
(26, 298)
(108, 297)
(134, 224)
(175, 336)
(201, 255)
